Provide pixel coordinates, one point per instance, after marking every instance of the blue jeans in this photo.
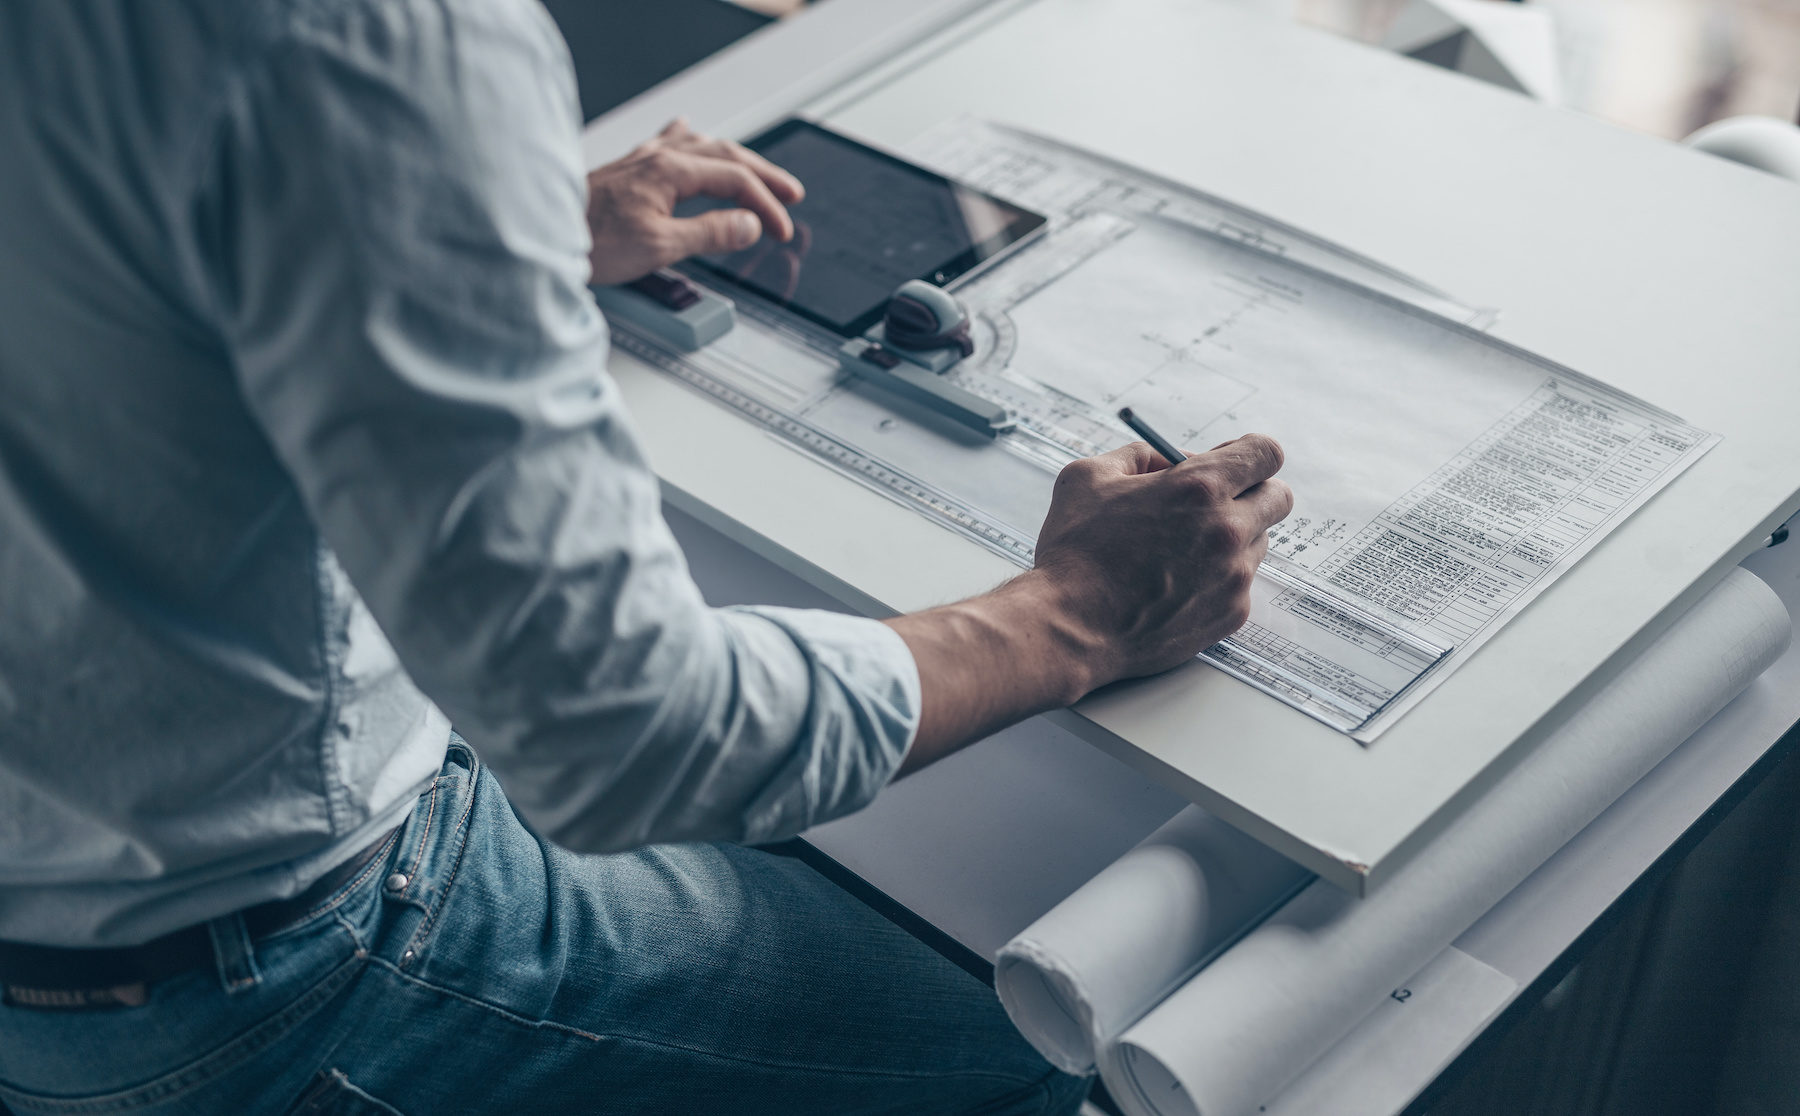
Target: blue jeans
(508, 975)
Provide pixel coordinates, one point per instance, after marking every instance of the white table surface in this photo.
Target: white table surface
(1665, 272)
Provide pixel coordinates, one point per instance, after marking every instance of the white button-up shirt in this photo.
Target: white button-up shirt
(306, 436)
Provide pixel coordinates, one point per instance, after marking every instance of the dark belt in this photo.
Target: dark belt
(49, 976)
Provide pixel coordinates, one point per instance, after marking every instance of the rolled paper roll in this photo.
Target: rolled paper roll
(1229, 1039)
(1076, 978)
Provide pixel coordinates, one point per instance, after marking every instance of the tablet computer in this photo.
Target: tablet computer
(869, 222)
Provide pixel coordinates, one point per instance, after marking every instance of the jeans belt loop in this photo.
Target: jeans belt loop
(235, 955)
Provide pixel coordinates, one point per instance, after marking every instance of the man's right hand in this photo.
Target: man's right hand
(1140, 566)
(1154, 561)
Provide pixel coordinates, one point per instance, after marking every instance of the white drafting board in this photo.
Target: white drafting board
(1443, 479)
(1582, 233)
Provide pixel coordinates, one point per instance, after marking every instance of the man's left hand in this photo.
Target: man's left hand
(631, 203)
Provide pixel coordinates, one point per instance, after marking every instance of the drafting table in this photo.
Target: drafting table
(993, 837)
(985, 842)
(1650, 267)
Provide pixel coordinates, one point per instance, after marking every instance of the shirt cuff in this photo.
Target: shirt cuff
(861, 716)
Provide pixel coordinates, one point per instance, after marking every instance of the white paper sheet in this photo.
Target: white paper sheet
(1232, 1037)
(1442, 479)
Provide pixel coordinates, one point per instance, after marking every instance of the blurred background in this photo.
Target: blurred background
(1666, 67)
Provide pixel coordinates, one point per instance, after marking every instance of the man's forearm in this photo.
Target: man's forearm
(1140, 565)
(987, 662)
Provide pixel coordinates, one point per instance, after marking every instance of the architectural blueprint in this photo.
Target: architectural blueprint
(1442, 479)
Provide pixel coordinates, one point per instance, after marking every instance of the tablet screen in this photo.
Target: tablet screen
(868, 223)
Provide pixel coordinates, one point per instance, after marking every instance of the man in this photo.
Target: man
(307, 454)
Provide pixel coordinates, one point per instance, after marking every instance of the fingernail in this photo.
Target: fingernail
(747, 228)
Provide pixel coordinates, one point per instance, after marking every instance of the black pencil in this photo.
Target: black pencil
(1157, 442)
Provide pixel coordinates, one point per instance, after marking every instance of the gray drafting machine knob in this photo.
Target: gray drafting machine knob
(924, 333)
(922, 318)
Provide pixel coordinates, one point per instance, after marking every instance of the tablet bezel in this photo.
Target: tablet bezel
(1022, 224)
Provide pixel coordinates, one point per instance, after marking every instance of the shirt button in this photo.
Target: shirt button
(397, 882)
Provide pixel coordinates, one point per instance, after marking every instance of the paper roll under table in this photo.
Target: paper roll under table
(1248, 1023)
(1095, 963)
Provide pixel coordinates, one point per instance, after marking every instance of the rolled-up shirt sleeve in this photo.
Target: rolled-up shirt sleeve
(391, 224)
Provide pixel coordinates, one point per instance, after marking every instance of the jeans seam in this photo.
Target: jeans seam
(418, 855)
(1046, 1095)
(528, 1022)
(826, 1071)
(356, 939)
(208, 1067)
(339, 897)
(333, 1080)
(504, 1012)
(423, 931)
